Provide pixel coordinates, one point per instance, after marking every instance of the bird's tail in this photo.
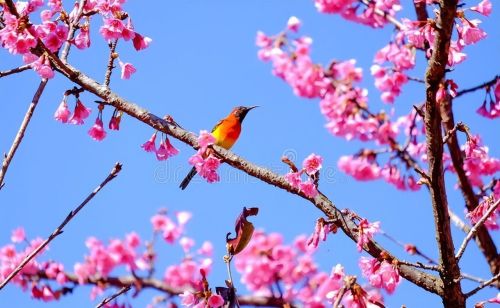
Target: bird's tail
(188, 178)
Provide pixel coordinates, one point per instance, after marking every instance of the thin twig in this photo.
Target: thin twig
(459, 223)
(15, 70)
(111, 61)
(59, 230)
(420, 265)
(123, 290)
(459, 126)
(71, 32)
(20, 134)
(475, 228)
(419, 80)
(479, 87)
(483, 285)
(417, 251)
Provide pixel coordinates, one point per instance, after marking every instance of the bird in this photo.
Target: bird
(225, 132)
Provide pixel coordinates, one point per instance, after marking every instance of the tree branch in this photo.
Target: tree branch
(123, 290)
(59, 230)
(483, 238)
(479, 87)
(475, 229)
(428, 282)
(73, 24)
(483, 285)
(20, 134)
(15, 70)
(156, 284)
(450, 272)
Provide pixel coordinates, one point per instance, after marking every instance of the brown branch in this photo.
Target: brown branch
(111, 61)
(475, 229)
(479, 87)
(483, 238)
(73, 25)
(483, 285)
(421, 10)
(428, 282)
(59, 230)
(156, 284)
(123, 290)
(22, 130)
(15, 70)
(450, 272)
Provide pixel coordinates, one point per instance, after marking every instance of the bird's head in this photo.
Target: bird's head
(240, 112)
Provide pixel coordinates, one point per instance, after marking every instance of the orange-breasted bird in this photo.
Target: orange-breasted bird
(225, 132)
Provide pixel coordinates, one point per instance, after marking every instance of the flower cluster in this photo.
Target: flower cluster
(477, 162)
(310, 166)
(20, 36)
(494, 104)
(369, 15)
(164, 151)
(268, 261)
(206, 163)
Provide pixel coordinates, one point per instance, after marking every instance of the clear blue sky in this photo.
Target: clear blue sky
(202, 62)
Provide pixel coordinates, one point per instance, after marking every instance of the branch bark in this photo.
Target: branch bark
(449, 270)
(22, 130)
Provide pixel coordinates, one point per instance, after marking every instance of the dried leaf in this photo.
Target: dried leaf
(244, 230)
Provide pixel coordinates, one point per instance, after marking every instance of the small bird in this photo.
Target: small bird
(225, 132)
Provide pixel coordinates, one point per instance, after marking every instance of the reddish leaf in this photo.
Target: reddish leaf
(244, 230)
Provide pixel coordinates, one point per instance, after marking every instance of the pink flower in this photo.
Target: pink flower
(150, 146)
(441, 95)
(207, 167)
(62, 113)
(42, 67)
(312, 163)
(293, 178)
(483, 7)
(470, 33)
(186, 243)
(97, 131)
(166, 150)
(320, 231)
(293, 24)
(206, 249)
(79, 114)
(127, 70)
(215, 301)
(308, 188)
(82, 39)
(380, 274)
(366, 231)
(187, 299)
(112, 29)
(205, 139)
(481, 210)
(361, 168)
(18, 235)
(159, 221)
(114, 122)
(183, 217)
(141, 42)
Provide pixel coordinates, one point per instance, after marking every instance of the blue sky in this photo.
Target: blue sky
(201, 64)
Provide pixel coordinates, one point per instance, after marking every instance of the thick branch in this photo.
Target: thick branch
(20, 134)
(59, 230)
(450, 272)
(483, 238)
(420, 278)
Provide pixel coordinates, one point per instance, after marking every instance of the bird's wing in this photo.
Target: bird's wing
(217, 125)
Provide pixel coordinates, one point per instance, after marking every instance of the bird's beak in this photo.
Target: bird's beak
(252, 107)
